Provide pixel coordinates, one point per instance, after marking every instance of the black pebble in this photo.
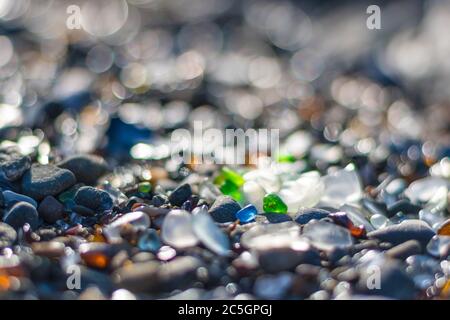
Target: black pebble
(306, 215)
(277, 217)
(87, 168)
(224, 209)
(50, 209)
(83, 211)
(180, 195)
(46, 180)
(404, 250)
(94, 199)
(403, 206)
(159, 199)
(20, 214)
(404, 231)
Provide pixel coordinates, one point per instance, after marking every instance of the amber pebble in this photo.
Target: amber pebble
(445, 292)
(444, 228)
(5, 282)
(158, 173)
(49, 249)
(95, 259)
(95, 254)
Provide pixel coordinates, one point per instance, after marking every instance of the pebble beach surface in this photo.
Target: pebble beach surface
(96, 204)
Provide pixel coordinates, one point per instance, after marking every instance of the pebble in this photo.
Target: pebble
(374, 207)
(180, 195)
(423, 190)
(11, 198)
(439, 246)
(404, 231)
(87, 168)
(306, 215)
(149, 241)
(137, 277)
(12, 164)
(277, 217)
(151, 277)
(273, 286)
(273, 203)
(264, 236)
(7, 235)
(341, 187)
(21, 213)
(404, 250)
(49, 249)
(158, 200)
(403, 206)
(305, 192)
(50, 209)
(179, 273)
(247, 214)
(444, 228)
(393, 282)
(379, 221)
(138, 220)
(209, 234)
(275, 260)
(46, 180)
(177, 230)
(93, 198)
(327, 236)
(224, 209)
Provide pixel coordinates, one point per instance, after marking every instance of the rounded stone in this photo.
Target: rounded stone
(11, 198)
(306, 215)
(87, 168)
(224, 209)
(46, 180)
(177, 230)
(20, 214)
(7, 235)
(180, 195)
(50, 209)
(93, 198)
(12, 164)
(404, 231)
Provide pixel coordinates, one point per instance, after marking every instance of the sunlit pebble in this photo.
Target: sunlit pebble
(13, 9)
(133, 76)
(176, 112)
(264, 72)
(287, 26)
(332, 131)
(402, 119)
(102, 18)
(166, 253)
(11, 115)
(244, 104)
(99, 59)
(27, 144)
(12, 97)
(123, 294)
(190, 65)
(7, 50)
(307, 65)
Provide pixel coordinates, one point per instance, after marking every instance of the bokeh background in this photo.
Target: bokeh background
(138, 69)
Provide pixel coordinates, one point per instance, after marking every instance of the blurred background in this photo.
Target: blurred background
(138, 69)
